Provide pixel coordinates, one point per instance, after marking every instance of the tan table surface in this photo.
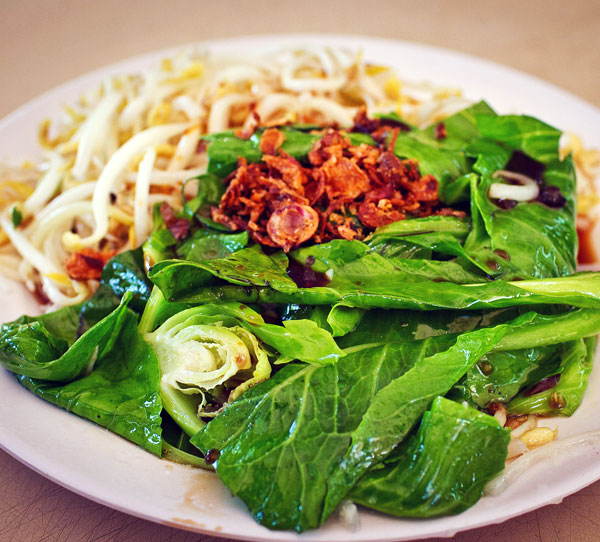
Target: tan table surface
(44, 43)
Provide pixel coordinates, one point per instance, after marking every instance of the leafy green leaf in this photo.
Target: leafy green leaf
(395, 409)
(28, 347)
(442, 469)
(160, 244)
(529, 240)
(209, 190)
(368, 281)
(462, 127)
(246, 267)
(123, 273)
(563, 399)
(225, 148)
(499, 376)
(205, 244)
(281, 442)
(445, 224)
(121, 393)
(296, 339)
(527, 134)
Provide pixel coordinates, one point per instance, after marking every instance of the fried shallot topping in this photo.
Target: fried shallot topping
(87, 264)
(345, 192)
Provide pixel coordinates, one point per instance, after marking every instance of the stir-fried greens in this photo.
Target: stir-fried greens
(386, 365)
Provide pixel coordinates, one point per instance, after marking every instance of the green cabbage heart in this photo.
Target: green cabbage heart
(197, 353)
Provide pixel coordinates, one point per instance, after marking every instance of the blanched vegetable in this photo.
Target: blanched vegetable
(367, 281)
(120, 393)
(435, 319)
(440, 470)
(572, 379)
(364, 406)
(204, 347)
(196, 354)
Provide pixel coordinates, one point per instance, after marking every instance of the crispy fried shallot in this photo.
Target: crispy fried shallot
(87, 263)
(271, 140)
(344, 192)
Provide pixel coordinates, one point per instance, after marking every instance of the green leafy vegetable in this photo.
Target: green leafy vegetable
(161, 243)
(204, 347)
(121, 393)
(503, 239)
(247, 267)
(292, 447)
(296, 426)
(209, 190)
(29, 346)
(462, 127)
(527, 134)
(123, 273)
(499, 376)
(199, 350)
(206, 244)
(224, 149)
(368, 281)
(176, 445)
(440, 470)
(566, 396)
(422, 308)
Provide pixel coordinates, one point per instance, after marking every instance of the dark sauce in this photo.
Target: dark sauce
(211, 456)
(587, 253)
(505, 203)
(269, 313)
(543, 385)
(521, 163)
(551, 196)
(305, 277)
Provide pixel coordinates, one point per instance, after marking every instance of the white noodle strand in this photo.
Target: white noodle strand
(94, 133)
(110, 174)
(142, 189)
(46, 187)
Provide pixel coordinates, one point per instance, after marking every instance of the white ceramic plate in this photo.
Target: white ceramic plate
(104, 467)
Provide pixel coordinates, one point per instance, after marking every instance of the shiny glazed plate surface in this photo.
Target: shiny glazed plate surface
(105, 468)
